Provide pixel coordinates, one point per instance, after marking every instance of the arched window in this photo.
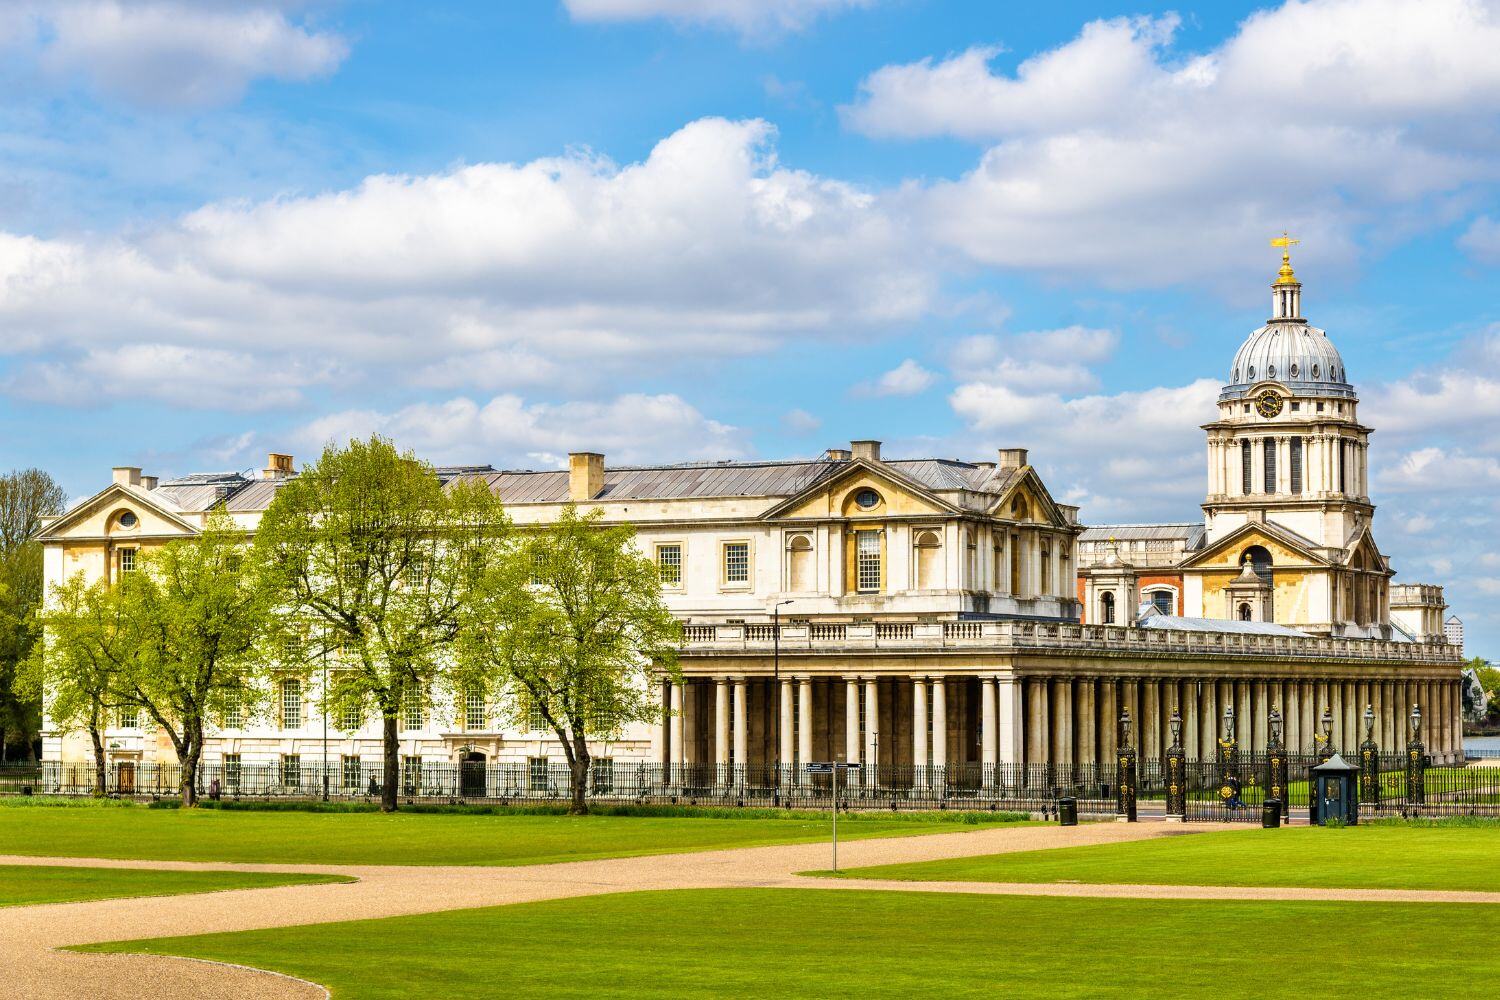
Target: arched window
(1107, 608)
(799, 553)
(929, 547)
(1244, 611)
(1046, 560)
(1259, 559)
(1164, 601)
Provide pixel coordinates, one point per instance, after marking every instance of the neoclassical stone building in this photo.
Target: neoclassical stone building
(932, 616)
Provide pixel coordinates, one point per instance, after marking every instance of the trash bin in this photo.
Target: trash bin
(1270, 814)
(1067, 811)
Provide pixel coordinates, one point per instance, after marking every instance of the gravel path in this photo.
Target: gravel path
(30, 935)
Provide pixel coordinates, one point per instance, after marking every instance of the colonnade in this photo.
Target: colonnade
(930, 721)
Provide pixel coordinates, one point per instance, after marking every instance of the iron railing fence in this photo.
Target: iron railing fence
(1446, 790)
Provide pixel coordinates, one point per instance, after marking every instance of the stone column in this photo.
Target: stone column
(1084, 722)
(1150, 724)
(988, 755)
(1189, 707)
(1260, 708)
(1353, 729)
(919, 730)
(939, 727)
(1109, 720)
(1008, 712)
(1310, 712)
(1062, 730)
(659, 729)
(872, 731)
(804, 727)
(1038, 738)
(852, 749)
(721, 727)
(1208, 726)
(741, 732)
(675, 747)
(788, 732)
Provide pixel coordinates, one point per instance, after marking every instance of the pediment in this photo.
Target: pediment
(1363, 552)
(1027, 500)
(98, 516)
(1285, 548)
(836, 496)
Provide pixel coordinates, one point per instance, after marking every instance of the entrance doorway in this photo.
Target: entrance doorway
(471, 767)
(125, 777)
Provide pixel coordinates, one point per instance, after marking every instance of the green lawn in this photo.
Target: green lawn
(828, 943)
(408, 838)
(22, 885)
(1380, 856)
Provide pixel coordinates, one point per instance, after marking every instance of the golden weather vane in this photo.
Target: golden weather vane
(1286, 243)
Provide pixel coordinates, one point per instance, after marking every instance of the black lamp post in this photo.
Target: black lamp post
(1275, 726)
(1369, 722)
(780, 695)
(1416, 722)
(1125, 727)
(1175, 723)
(1229, 723)
(1327, 723)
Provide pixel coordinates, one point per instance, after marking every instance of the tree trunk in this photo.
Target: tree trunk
(392, 766)
(187, 760)
(101, 775)
(578, 774)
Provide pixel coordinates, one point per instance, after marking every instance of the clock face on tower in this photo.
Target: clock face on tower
(1268, 405)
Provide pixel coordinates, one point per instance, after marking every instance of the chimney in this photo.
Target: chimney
(1012, 458)
(585, 475)
(868, 450)
(149, 482)
(278, 466)
(838, 454)
(128, 475)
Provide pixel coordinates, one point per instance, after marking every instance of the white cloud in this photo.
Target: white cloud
(906, 379)
(1429, 401)
(510, 432)
(171, 53)
(800, 422)
(495, 276)
(1116, 159)
(754, 18)
(1482, 240)
(1424, 470)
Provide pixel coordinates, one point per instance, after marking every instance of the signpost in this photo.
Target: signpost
(833, 768)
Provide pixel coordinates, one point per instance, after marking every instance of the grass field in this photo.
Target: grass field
(22, 885)
(1383, 856)
(820, 943)
(409, 838)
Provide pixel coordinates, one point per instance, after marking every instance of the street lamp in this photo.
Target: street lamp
(1275, 721)
(1125, 727)
(1327, 722)
(1369, 722)
(1175, 722)
(780, 695)
(1229, 723)
(1416, 722)
(324, 713)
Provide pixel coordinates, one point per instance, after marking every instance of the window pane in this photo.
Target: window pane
(867, 560)
(232, 770)
(669, 564)
(291, 704)
(1270, 450)
(127, 560)
(1296, 469)
(1162, 599)
(474, 714)
(538, 773)
(737, 562)
(291, 770)
(1246, 479)
(351, 772)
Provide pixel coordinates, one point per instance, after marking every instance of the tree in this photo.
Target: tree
(26, 496)
(76, 662)
(191, 616)
(370, 557)
(571, 628)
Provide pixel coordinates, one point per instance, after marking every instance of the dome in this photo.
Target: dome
(1296, 355)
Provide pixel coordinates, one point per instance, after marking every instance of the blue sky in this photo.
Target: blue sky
(684, 229)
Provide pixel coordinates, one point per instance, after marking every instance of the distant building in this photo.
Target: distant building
(1453, 631)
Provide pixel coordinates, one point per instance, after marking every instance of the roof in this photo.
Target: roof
(1191, 533)
(1217, 625)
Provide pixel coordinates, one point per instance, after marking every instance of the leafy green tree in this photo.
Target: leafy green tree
(26, 496)
(85, 646)
(191, 618)
(371, 558)
(572, 628)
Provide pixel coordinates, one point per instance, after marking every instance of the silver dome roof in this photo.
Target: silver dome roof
(1293, 354)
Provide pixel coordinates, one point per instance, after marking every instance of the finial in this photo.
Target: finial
(1285, 275)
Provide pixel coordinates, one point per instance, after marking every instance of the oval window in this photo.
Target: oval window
(1236, 376)
(1251, 373)
(866, 499)
(128, 520)
(1317, 372)
(1271, 372)
(1294, 371)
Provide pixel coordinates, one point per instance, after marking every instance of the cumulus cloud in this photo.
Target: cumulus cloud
(510, 432)
(170, 53)
(495, 276)
(1117, 159)
(753, 18)
(906, 379)
(1482, 240)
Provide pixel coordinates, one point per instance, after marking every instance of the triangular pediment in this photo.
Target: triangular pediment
(99, 516)
(837, 496)
(1362, 552)
(1285, 547)
(1035, 501)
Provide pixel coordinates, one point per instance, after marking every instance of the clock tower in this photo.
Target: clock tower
(1288, 483)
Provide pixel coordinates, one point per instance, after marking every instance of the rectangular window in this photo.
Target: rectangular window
(1046, 561)
(536, 721)
(669, 565)
(1269, 446)
(350, 772)
(411, 774)
(412, 715)
(736, 562)
(1162, 601)
(603, 775)
(352, 718)
(130, 718)
(475, 716)
(1247, 472)
(867, 561)
(127, 560)
(234, 713)
(291, 704)
(1343, 466)
(231, 770)
(1296, 469)
(536, 769)
(291, 770)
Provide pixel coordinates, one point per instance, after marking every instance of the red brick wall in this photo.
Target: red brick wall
(1155, 579)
